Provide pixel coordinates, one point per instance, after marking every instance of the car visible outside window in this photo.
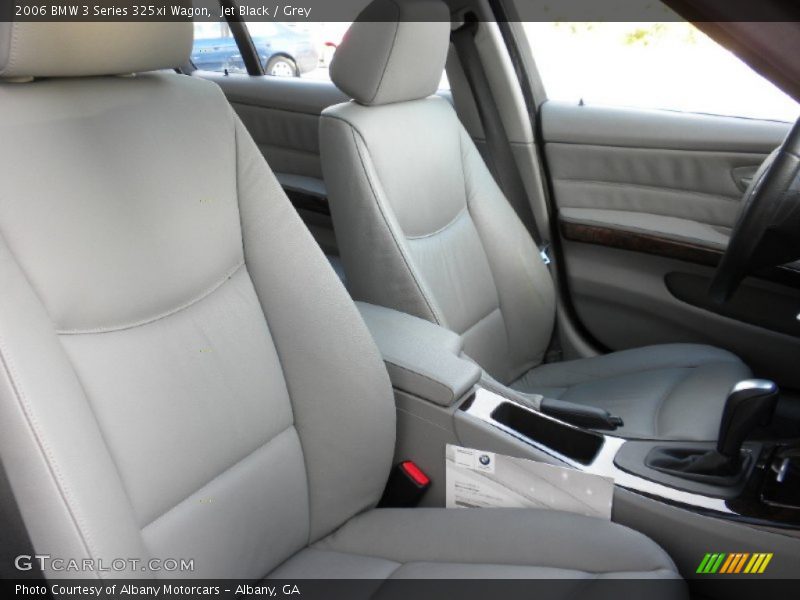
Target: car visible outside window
(285, 49)
(215, 49)
(288, 49)
(670, 66)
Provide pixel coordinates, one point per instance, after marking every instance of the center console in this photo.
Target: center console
(731, 495)
(764, 491)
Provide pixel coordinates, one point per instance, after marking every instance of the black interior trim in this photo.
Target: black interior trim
(775, 308)
(243, 40)
(305, 200)
(15, 536)
(578, 444)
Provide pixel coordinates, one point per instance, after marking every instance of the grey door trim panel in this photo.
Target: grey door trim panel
(293, 94)
(570, 123)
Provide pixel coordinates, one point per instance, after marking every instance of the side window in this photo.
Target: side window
(296, 49)
(215, 49)
(285, 49)
(671, 66)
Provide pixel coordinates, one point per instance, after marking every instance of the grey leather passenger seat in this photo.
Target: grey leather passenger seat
(182, 374)
(424, 229)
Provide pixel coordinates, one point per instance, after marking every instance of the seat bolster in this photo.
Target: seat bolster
(533, 538)
(53, 451)
(524, 285)
(334, 373)
(378, 265)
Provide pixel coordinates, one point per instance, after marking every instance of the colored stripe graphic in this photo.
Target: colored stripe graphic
(715, 567)
(711, 562)
(728, 564)
(741, 562)
(728, 567)
(758, 563)
(703, 564)
(734, 563)
(735, 568)
(764, 564)
(754, 563)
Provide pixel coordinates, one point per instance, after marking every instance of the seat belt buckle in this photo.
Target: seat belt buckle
(406, 486)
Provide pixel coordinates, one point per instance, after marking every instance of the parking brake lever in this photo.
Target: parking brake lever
(581, 415)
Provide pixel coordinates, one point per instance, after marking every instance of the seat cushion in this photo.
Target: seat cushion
(671, 391)
(431, 543)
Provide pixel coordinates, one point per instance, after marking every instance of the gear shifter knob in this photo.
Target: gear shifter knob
(750, 403)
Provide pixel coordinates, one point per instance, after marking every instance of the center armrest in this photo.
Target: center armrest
(422, 358)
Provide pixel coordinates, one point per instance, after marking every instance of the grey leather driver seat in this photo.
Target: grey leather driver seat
(423, 228)
(169, 386)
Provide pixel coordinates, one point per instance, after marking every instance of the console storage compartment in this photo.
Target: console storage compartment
(577, 444)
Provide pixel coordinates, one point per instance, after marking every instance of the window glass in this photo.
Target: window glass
(215, 49)
(651, 65)
(291, 49)
(285, 49)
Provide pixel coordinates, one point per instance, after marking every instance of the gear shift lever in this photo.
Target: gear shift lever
(750, 403)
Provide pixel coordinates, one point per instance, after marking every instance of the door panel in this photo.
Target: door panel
(570, 123)
(696, 185)
(646, 199)
(654, 164)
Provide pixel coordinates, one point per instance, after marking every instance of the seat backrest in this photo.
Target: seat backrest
(421, 224)
(182, 374)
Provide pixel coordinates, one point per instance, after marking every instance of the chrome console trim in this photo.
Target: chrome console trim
(485, 402)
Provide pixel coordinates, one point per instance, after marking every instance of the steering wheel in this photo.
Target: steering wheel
(767, 231)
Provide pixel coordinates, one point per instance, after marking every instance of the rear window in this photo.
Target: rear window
(285, 49)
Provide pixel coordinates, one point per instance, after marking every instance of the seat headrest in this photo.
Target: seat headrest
(60, 49)
(394, 51)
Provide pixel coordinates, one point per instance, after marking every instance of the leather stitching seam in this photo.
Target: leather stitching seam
(163, 315)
